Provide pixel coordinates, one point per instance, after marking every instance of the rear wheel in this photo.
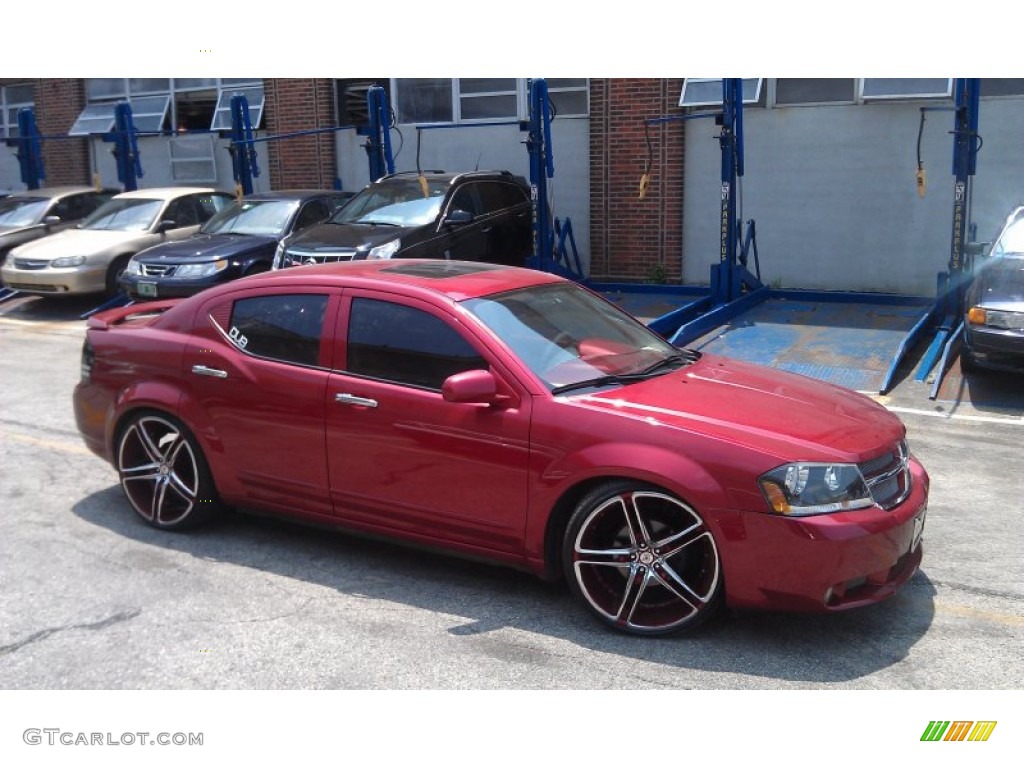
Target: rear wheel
(642, 560)
(163, 473)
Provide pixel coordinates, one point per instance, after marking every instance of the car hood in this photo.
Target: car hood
(347, 236)
(790, 416)
(14, 230)
(78, 242)
(1000, 285)
(203, 248)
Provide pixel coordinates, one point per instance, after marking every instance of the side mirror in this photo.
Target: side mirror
(51, 221)
(165, 225)
(458, 218)
(477, 386)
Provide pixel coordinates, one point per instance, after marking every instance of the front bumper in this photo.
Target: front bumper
(824, 562)
(995, 347)
(60, 281)
(140, 287)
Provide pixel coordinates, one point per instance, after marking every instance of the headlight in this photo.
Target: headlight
(385, 251)
(133, 268)
(68, 261)
(995, 318)
(278, 256)
(201, 270)
(815, 489)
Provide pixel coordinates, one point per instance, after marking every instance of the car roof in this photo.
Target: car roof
(451, 175)
(167, 193)
(53, 192)
(296, 194)
(458, 280)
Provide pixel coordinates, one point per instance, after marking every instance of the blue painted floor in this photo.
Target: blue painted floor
(851, 344)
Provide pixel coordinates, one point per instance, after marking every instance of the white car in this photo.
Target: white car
(90, 257)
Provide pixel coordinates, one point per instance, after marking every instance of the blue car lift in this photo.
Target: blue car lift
(243, 142)
(550, 235)
(733, 287)
(554, 245)
(378, 133)
(952, 284)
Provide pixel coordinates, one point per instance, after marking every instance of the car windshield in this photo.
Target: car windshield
(395, 202)
(1011, 240)
(572, 339)
(22, 211)
(1004, 279)
(253, 217)
(132, 214)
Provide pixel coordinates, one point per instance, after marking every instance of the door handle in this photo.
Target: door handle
(347, 399)
(202, 370)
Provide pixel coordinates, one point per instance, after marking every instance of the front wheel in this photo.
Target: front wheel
(642, 560)
(163, 473)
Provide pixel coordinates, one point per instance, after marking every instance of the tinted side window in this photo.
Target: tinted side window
(211, 204)
(312, 212)
(498, 196)
(406, 345)
(182, 212)
(466, 199)
(286, 327)
(72, 207)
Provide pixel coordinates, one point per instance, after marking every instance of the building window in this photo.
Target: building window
(707, 92)
(12, 99)
(192, 159)
(469, 100)
(872, 88)
(815, 90)
(1002, 87)
(193, 104)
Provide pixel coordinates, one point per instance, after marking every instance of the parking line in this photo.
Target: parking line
(43, 443)
(965, 611)
(1014, 421)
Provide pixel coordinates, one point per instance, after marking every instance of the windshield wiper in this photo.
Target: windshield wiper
(374, 223)
(684, 357)
(600, 381)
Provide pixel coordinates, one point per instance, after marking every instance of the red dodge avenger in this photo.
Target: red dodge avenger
(508, 414)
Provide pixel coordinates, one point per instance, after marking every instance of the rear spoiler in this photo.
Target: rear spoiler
(111, 317)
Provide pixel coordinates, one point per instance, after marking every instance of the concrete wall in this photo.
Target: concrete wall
(154, 153)
(832, 190)
(496, 147)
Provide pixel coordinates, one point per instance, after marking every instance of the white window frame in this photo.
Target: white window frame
(894, 90)
(204, 158)
(9, 123)
(522, 103)
(249, 86)
(254, 95)
(751, 91)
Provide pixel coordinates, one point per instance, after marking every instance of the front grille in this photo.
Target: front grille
(31, 263)
(296, 256)
(888, 476)
(157, 270)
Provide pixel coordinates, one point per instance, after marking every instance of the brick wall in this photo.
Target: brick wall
(633, 239)
(57, 104)
(301, 105)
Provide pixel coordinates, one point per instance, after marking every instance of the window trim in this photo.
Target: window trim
(8, 129)
(747, 100)
(522, 102)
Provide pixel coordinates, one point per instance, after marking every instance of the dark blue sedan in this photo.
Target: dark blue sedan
(240, 240)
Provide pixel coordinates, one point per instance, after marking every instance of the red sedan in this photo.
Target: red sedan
(513, 415)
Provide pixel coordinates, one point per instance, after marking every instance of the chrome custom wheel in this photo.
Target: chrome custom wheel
(642, 560)
(163, 473)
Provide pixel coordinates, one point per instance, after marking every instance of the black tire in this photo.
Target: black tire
(164, 474)
(642, 560)
(967, 362)
(117, 266)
